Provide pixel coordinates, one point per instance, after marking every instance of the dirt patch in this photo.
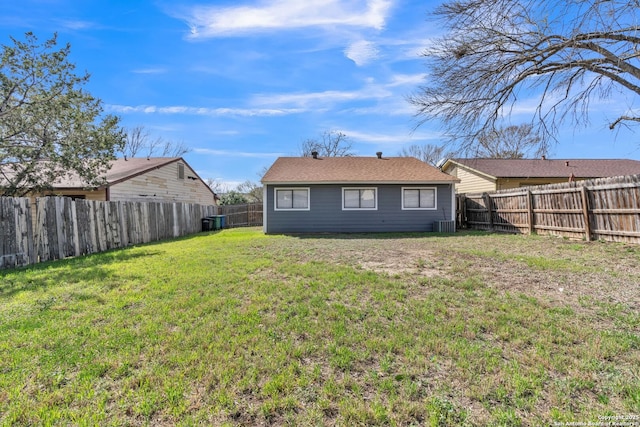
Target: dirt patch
(563, 272)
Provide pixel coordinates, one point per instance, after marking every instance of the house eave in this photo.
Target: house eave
(463, 166)
(426, 182)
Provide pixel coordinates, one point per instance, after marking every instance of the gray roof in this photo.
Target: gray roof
(549, 168)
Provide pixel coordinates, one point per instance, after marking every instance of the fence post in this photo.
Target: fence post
(585, 213)
(488, 203)
(461, 210)
(530, 211)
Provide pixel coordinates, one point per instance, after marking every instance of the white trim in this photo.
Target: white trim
(375, 198)
(471, 170)
(275, 199)
(435, 198)
(265, 205)
(357, 183)
(453, 206)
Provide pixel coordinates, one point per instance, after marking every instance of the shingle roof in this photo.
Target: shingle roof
(120, 170)
(335, 170)
(551, 168)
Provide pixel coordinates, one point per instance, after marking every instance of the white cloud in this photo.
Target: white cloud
(394, 102)
(407, 79)
(229, 153)
(202, 111)
(78, 25)
(274, 15)
(397, 138)
(317, 99)
(373, 97)
(401, 108)
(306, 99)
(149, 71)
(361, 52)
(219, 185)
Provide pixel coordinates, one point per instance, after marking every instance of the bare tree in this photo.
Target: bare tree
(217, 186)
(174, 149)
(136, 139)
(511, 142)
(428, 153)
(330, 144)
(252, 190)
(139, 141)
(262, 172)
(495, 53)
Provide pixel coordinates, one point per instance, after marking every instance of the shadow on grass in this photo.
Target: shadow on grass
(70, 270)
(85, 267)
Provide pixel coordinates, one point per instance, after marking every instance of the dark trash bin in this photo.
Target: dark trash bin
(207, 224)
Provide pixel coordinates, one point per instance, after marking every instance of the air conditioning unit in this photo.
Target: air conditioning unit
(445, 226)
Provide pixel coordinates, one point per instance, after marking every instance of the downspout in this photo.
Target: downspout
(107, 194)
(453, 204)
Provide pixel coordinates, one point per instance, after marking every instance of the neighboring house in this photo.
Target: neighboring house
(355, 194)
(486, 175)
(159, 179)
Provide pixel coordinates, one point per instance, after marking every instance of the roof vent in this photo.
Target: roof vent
(314, 154)
(544, 157)
(566, 163)
(379, 154)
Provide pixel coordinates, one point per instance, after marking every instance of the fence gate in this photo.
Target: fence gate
(248, 215)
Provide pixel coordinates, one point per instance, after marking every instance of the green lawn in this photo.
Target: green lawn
(238, 328)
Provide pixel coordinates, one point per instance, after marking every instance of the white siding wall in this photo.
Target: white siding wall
(163, 185)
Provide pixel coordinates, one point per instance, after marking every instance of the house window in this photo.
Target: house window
(359, 198)
(180, 171)
(419, 198)
(292, 199)
(77, 196)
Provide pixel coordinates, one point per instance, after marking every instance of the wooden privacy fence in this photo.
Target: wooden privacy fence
(248, 215)
(16, 232)
(601, 209)
(66, 227)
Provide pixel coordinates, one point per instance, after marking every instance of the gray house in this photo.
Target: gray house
(355, 194)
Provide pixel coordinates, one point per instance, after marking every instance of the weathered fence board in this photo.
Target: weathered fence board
(248, 215)
(16, 233)
(66, 228)
(605, 208)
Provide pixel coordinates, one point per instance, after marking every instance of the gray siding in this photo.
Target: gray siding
(326, 215)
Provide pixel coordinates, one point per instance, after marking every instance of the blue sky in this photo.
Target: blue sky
(242, 82)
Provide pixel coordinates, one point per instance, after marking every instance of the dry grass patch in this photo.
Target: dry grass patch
(238, 328)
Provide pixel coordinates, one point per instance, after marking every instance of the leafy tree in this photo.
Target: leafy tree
(428, 153)
(330, 144)
(139, 141)
(233, 198)
(49, 126)
(495, 53)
